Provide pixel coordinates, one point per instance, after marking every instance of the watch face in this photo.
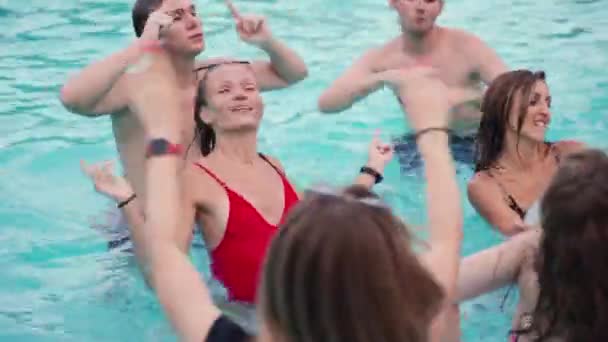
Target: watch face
(158, 146)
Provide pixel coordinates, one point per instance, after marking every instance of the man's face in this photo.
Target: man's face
(417, 16)
(185, 35)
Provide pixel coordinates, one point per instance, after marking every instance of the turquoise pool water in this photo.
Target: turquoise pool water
(58, 283)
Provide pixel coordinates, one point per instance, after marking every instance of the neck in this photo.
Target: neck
(239, 146)
(421, 43)
(523, 154)
(184, 66)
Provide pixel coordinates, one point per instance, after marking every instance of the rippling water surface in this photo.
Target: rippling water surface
(58, 283)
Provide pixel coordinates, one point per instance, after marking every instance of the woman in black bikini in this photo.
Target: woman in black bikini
(559, 271)
(514, 162)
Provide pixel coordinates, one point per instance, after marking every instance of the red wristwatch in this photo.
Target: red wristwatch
(160, 146)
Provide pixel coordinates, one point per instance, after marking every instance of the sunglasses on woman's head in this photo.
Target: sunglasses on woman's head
(212, 66)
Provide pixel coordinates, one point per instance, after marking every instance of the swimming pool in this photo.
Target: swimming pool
(58, 283)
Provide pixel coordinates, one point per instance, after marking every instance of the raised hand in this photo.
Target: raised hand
(106, 182)
(252, 29)
(380, 153)
(157, 23)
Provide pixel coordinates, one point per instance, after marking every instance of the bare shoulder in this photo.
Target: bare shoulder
(479, 182)
(390, 46)
(566, 147)
(482, 189)
(275, 162)
(198, 184)
(467, 43)
(461, 36)
(376, 55)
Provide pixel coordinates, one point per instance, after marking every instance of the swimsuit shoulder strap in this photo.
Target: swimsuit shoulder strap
(271, 164)
(511, 202)
(211, 174)
(554, 148)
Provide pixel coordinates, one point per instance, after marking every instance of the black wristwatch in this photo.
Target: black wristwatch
(368, 170)
(161, 146)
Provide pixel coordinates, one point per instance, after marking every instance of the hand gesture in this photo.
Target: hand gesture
(157, 23)
(380, 153)
(106, 182)
(252, 29)
(424, 96)
(401, 77)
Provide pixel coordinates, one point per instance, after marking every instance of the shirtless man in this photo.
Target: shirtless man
(102, 87)
(461, 60)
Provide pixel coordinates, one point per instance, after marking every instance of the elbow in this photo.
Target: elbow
(509, 231)
(69, 100)
(66, 97)
(292, 76)
(326, 105)
(300, 74)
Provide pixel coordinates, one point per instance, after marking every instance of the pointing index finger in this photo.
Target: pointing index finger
(235, 12)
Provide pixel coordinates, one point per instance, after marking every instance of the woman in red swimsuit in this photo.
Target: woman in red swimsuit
(236, 194)
(342, 266)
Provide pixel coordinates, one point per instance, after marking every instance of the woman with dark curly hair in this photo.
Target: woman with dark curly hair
(561, 270)
(514, 160)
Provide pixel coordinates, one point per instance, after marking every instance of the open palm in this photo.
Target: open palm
(106, 182)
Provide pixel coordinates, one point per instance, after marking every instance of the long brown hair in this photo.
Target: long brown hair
(573, 259)
(496, 107)
(341, 269)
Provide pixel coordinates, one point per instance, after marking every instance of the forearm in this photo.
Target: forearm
(182, 293)
(134, 215)
(162, 199)
(495, 267)
(444, 207)
(81, 93)
(343, 94)
(444, 211)
(285, 61)
(365, 180)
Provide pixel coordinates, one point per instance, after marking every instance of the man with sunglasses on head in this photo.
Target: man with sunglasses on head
(103, 87)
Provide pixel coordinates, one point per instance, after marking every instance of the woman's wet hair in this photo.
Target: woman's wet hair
(573, 257)
(496, 107)
(140, 13)
(203, 132)
(341, 269)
